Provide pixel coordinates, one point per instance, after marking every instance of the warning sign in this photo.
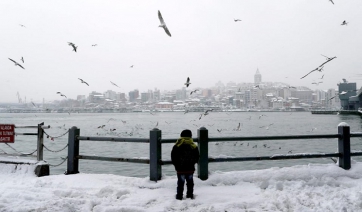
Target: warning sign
(7, 133)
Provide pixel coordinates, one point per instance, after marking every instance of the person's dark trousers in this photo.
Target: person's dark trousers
(189, 184)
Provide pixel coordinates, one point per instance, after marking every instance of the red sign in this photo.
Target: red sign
(7, 133)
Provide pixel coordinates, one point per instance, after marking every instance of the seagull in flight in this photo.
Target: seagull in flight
(163, 24)
(82, 81)
(344, 23)
(236, 20)
(61, 94)
(131, 66)
(22, 25)
(316, 83)
(22, 59)
(188, 82)
(193, 91)
(94, 44)
(329, 59)
(73, 45)
(256, 86)
(114, 84)
(317, 69)
(16, 63)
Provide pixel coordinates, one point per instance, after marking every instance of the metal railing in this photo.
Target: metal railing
(155, 149)
(40, 140)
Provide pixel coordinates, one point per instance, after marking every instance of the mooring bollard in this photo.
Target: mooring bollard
(73, 151)
(40, 142)
(344, 146)
(203, 165)
(155, 154)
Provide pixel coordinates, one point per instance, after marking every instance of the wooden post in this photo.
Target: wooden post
(203, 165)
(155, 154)
(40, 142)
(73, 151)
(344, 146)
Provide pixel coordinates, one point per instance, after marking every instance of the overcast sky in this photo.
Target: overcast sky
(284, 39)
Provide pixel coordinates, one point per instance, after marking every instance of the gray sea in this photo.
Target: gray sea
(219, 124)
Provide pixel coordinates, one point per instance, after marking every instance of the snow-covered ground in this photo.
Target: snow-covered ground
(311, 187)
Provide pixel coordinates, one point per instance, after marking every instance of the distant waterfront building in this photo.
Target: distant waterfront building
(350, 88)
(110, 94)
(257, 77)
(133, 95)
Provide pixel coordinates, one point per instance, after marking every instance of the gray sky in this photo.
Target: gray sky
(284, 39)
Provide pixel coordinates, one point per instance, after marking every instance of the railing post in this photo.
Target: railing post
(155, 154)
(203, 164)
(344, 146)
(73, 151)
(40, 142)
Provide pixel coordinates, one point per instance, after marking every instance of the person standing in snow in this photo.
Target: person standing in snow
(184, 155)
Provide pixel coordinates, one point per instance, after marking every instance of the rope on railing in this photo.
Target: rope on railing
(21, 152)
(4, 151)
(52, 137)
(65, 159)
(55, 150)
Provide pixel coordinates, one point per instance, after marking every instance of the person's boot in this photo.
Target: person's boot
(190, 196)
(179, 197)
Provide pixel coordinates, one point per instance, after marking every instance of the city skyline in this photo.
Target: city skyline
(120, 42)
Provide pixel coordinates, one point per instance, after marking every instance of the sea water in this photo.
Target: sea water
(219, 124)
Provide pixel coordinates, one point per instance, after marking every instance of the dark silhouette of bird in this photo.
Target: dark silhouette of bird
(101, 126)
(61, 94)
(316, 69)
(82, 81)
(207, 112)
(331, 1)
(219, 130)
(131, 66)
(188, 82)
(22, 25)
(256, 86)
(33, 104)
(193, 91)
(163, 24)
(344, 23)
(236, 20)
(73, 45)
(94, 44)
(22, 59)
(322, 76)
(16, 63)
(114, 84)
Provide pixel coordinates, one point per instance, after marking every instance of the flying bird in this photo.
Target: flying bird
(114, 84)
(257, 86)
(61, 94)
(82, 81)
(16, 63)
(73, 45)
(193, 91)
(329, 59)
(94, 44)
(188, 82)
(131, 66)
(322, 76)
(163, 24)
(236, 20)
(22, 25)
(22, 59)
(344, 23)
(317, 69)
(316, 83)
(331, 1)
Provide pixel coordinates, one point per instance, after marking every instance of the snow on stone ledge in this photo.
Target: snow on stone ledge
(343, 124)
